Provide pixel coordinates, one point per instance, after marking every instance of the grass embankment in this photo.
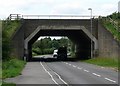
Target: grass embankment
(12, 68)
(112, 23)
(110, 27)
(11, 27)
(105, 62)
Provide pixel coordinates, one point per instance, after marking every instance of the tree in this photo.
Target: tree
(46, 45)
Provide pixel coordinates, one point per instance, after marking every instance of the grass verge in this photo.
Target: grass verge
(12, 68)
(8, 84)
(105, 62)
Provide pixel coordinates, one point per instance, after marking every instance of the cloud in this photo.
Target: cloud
(100, 7)
(68, 8)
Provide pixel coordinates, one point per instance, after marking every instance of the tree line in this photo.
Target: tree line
(47, 45)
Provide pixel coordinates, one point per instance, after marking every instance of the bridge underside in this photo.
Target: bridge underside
(78, 37)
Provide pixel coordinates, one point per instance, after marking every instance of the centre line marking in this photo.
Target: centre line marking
(74, 66)
(70, 64)
(79, 68)
(61, 79)
(66, 63)
(110, 80)
(86, 70)
(52, 76)
(96, 74)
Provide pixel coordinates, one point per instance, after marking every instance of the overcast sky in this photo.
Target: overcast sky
(49, 7)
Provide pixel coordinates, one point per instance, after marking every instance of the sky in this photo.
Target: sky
(52, 37)
(57, 7)
(119, 6)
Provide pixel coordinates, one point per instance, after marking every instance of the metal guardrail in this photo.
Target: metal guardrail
(10, 18)
(18, 17)
(14, 17)
(57, 17)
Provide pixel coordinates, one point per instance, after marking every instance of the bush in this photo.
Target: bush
(48, 51)
(37, 51)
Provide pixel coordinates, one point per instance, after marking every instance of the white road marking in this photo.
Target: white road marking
(86, 70)
(74, 66)
(61, 79)
(70, 64)
(79, 68)
(52, 76)
(92, 73)
(49, 74)
(110, 80)
(96, 74)
(66, 63)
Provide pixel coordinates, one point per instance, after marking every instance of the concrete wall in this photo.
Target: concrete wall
(18, 43)
(108, 46)
(31, 24)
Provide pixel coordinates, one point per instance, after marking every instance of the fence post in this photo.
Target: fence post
(10, 16)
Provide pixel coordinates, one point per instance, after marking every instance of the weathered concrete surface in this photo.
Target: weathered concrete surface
(65, 32)
(31, 24)
(108, 46)
(18, 43)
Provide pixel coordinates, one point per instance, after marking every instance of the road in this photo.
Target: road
(65, 72)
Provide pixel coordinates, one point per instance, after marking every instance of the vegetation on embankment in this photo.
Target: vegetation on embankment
(8, 29)
(105, 62)
(12, 68)
(112, 23)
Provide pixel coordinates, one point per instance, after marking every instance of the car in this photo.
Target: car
(55, 53)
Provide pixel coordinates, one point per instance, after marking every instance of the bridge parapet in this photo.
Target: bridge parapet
(58, 16)
(31, 24)
(14, 17)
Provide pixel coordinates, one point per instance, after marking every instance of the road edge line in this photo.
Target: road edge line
(49, 74)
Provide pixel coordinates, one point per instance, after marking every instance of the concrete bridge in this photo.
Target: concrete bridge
(77, 30)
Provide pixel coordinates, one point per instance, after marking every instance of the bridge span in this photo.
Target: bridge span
(76, 29)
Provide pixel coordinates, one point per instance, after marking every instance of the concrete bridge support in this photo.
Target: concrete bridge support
(79, 34)
(78, 30)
